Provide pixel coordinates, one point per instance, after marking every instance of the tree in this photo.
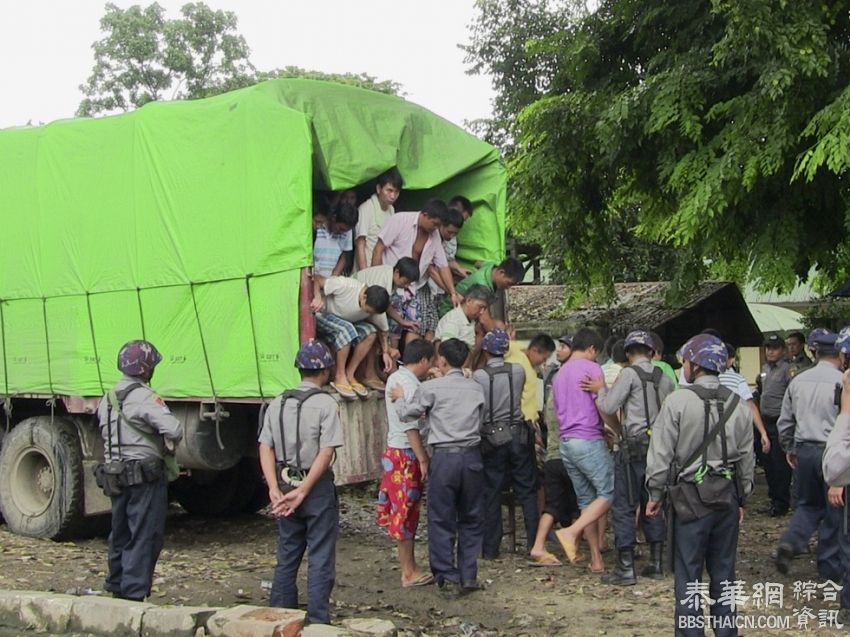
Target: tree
(361, 80)
(722, 127)
(145, 57)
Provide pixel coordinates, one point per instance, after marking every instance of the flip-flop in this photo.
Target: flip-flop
(422, 580)
(375, 383)
(595, 571)
(359, 389)
(570, 548)
(547, 559)
(344, 390)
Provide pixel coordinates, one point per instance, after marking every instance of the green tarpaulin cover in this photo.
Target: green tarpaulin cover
(187, 223)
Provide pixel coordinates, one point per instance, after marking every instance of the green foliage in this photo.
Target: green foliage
(719, 129)
(145, 56)
(361, 80)
(830, 313)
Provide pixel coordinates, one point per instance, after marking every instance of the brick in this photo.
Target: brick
(175, 621)
(370, 627)
(256, 621)
(107, 616)
(47, 612)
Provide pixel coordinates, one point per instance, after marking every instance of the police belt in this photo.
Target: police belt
(810, 443)
(454, 448)
(635, 448)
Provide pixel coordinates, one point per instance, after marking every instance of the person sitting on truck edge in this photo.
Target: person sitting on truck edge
(138, 431)
(349, 315)
(405, 465)
(416, 235)
(462, 321)
(454, 407)
(463, 206)
(396, 280)
(299, 437)
(374, 213)
(493, 276)
(333, 240)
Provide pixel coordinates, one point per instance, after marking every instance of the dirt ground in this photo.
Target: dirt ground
(224, 562)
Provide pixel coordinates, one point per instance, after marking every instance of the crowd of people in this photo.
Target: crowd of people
(609, 430)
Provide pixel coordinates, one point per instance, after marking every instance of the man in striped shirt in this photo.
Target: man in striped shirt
(733, 381)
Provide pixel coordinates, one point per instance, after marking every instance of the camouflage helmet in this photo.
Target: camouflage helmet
(639, 337)
(842, 343)
(314, 354)
(814, 335)
(707, 351)
(567, 339)
(496, 342)
(138, 359)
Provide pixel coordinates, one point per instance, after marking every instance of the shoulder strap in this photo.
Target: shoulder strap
(116, 400)
(507, 369)
(655, 378)
(301, 396)
(724, 413)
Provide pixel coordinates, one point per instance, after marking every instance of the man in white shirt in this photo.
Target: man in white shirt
(373, 214)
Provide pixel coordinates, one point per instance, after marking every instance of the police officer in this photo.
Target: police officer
(798, 361)
(506, 443)
(138, 431)
(639, 390)
(301, 430)
(808, 415)
(771, 386)
(686, 453)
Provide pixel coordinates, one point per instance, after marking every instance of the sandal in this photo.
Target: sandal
(375, 383)
(359, 389)
(595, 571)
(570, 548)
(422, 580)
(344, 390)
(547, 559)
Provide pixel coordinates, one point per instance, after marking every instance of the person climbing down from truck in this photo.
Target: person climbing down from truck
(451, 226)
(350, 315)
(139, 432)
(333, 238)
(394, 279)
(299, 437)
(405, 465)
(374, 213)
(495, 277)
(461, 322)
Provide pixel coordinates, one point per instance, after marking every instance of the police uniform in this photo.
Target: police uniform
(134, 424)
(772, 383)
(679, 432)
(314, 525)
(836, 472)
(510, 464)
(640, 401)
(808, 415)
(454, 405)
(798, 363)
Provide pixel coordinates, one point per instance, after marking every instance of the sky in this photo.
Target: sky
(45, 49)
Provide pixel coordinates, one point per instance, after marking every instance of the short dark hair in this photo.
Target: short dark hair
(416, 350)
(461, 204)
(637, 348)
(311, 373)
(392, 177)
(453, 218)
(608, 347)
(435, 208)
(799, 336)
(586, 338)
(618, 352)
(712, 332)
(478, 292)
(454, 351)
(347, 214)
(408, 268)
(321, 206)
(377, 298)
(731, 350)
(657, 342)
(512, 268)
(542, 343)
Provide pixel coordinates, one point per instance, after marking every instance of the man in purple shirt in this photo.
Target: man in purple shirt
(583, 448)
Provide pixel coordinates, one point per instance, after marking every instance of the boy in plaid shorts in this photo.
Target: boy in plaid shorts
(405, 464)
(349, 317)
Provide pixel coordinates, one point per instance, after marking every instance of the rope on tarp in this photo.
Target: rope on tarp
(141, 313)
(52, 400)
(7, 402)
(256, 352)
(94, 344)
(209, 369)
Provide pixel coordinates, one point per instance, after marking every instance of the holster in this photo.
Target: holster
(497, 435)
(109, 476)
(693, 501)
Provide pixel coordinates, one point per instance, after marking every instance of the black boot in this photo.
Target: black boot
(654, 568)
(624, 572)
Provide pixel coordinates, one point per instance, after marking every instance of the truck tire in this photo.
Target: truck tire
(41, 479)
(223, 493)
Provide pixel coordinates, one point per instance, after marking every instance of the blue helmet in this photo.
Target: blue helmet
(814, 335)
(314, 354)
(707, 351)
(138, 359)
(842, 343)
(639, 337)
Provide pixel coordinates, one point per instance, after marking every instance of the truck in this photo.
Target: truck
(188, 224)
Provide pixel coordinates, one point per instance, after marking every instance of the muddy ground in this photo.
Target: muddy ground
(224, 562)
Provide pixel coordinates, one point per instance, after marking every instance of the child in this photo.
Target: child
(349, 317)
(333, 239)
(300, 433)
(405, 465)
(374, 213)
(454, 406)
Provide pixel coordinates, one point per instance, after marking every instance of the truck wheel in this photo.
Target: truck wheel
(41, 479)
